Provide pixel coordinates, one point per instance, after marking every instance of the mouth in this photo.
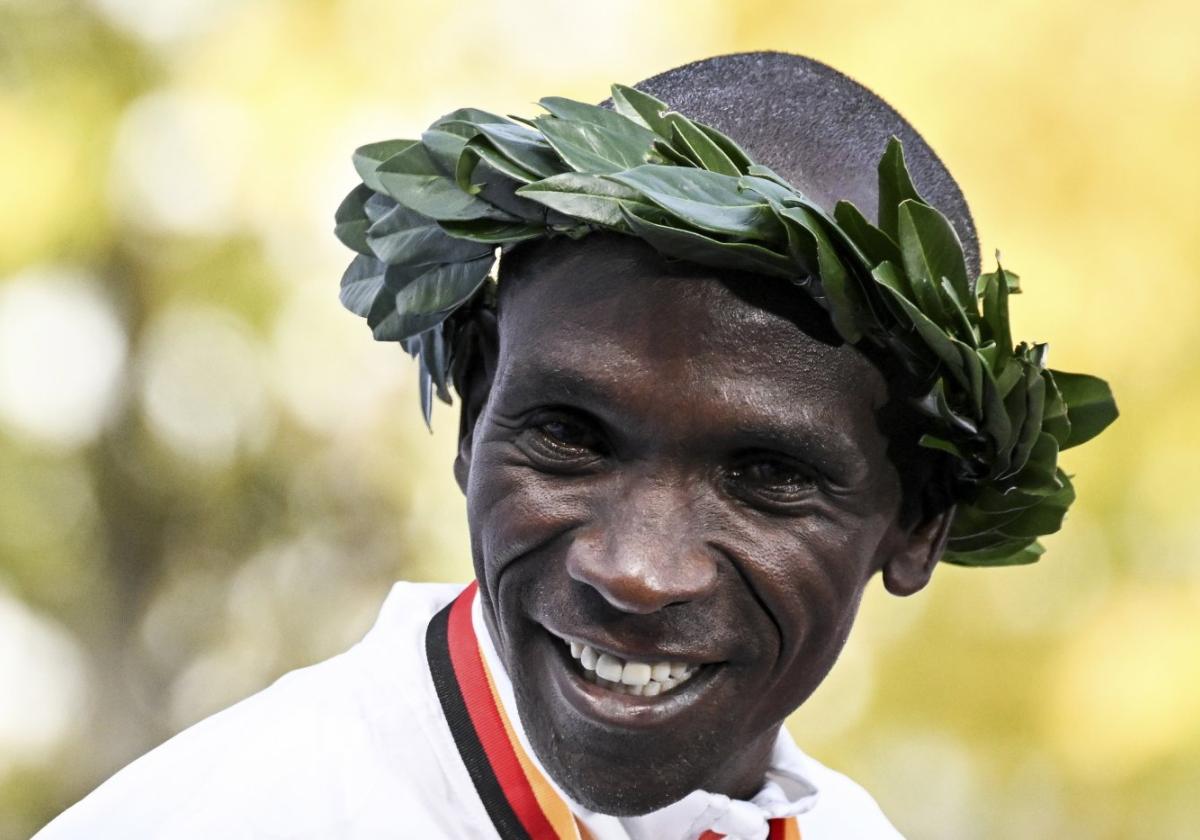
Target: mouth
(644, 676)
(627, 690)
(629, 676)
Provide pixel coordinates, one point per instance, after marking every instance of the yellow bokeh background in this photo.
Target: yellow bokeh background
(209, 474)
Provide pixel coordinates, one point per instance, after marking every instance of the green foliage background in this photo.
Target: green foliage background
(209, 474)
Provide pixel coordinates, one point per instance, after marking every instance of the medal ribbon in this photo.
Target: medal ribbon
(517, 797)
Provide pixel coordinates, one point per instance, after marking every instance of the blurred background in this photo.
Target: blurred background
(209, 473)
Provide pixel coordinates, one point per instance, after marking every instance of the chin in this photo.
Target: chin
(615, 772)
(628, 799)
(613, 784)
(626, 754)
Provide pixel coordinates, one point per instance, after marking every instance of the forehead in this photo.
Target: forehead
(607, 315)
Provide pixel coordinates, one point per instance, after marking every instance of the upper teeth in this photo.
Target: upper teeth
(629, 676)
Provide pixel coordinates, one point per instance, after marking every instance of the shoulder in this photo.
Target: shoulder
(327, 750)
(844, 809)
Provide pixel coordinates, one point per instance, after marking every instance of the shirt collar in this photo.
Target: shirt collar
(787, 790)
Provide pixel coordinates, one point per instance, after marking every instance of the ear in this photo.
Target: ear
(473, 380)
(911, 565)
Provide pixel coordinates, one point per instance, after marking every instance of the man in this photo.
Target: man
(701, 409)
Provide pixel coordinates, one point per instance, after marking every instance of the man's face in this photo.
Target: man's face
(669, 473)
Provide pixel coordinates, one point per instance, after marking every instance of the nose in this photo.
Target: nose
(647, 551)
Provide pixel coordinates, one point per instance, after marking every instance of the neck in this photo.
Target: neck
(743, 775)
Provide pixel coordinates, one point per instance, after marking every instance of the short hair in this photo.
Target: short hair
(818, 128)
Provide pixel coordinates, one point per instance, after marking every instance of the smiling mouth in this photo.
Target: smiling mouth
(630, 676)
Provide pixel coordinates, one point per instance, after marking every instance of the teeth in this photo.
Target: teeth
(635, 673)
(609, 668)
(641, 679)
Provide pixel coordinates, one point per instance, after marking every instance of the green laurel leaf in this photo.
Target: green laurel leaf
(405, 237)
(895, 186)
(435, 358)
(351, 220)
(361, 284)
(1054, 419)
(480, 148)
(597, 149)
(642, 108)
(523, 146)
(589, 198)
(930, 247)
(412, 178)
(843, 300)
(502, 192)
(684, 244)
(421, 297)
(368, 158)
(726, 144)
(1034, 388)
(874, 244)
(1044, 518)
(707, 200)
(1090, 405)
(637, 134)
(444, 149)
(917, 266)
(378, 206)
(492, 232)
(1008, 553)
(698, 147)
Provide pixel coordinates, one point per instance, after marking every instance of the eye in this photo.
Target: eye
(772, 479)
(559, 441)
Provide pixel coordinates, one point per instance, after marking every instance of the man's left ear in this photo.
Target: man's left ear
(911, 565)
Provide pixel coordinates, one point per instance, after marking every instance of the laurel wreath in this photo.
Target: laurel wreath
(432, 217)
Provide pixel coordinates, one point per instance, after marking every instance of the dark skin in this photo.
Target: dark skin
(667, 463)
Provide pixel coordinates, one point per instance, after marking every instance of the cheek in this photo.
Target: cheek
(811, 576)
(513, 510)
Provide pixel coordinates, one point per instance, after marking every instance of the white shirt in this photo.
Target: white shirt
(357, 748)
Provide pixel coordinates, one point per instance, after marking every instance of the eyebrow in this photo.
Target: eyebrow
(542, 382)
(827, 447)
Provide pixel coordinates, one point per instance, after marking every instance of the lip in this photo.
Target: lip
(624, 649)
(625, 711)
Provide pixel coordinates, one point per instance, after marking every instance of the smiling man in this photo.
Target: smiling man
(678, 488)
(705, 401)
